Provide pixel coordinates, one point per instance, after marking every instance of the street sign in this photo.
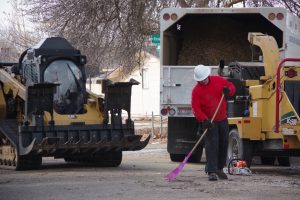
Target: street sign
(155, 38)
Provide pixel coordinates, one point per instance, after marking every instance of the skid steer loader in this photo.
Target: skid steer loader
(45, 110)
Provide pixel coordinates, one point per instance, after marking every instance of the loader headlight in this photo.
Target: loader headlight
(82, 60)
(43, 59)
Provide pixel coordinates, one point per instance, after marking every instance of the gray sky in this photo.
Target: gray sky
(5, 7)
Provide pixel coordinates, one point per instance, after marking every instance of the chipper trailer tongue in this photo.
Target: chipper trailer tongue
(45, 110)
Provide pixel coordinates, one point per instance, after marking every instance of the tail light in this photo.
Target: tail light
(166, 16)
(168, 110)
(172, 111)
(271, 16)
(164, 111)
(247, 121)
(174, 16)
(280, 16)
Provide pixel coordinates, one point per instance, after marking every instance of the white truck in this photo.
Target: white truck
(193, 36)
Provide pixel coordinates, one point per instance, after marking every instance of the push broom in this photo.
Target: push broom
(174, 173)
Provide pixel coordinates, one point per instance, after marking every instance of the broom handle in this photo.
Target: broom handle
(212, 119)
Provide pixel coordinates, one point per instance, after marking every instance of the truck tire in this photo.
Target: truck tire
(177, 157)
(283, 161)
(267, 160)
(239, 148)
(197, 156)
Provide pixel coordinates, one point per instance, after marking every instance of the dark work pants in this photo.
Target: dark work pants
(216, 144)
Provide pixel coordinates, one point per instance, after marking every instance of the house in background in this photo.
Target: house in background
(145, 96)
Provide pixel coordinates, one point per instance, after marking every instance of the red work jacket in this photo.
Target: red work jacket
(205, 99)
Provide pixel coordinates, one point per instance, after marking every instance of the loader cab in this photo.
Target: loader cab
(68, 98)
(54, 60)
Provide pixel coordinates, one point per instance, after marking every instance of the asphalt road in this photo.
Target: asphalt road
(140, 176)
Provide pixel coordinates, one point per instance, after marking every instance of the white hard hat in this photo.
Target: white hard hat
(201, 72)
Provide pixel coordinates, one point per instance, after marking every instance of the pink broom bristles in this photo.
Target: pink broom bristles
(174, 173)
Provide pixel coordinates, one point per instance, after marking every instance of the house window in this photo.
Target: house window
(145, 78)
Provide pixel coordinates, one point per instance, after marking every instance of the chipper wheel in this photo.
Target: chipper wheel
(195, 158)
(239, 148)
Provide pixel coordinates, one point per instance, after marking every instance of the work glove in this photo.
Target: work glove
(206, 125)
(199, 133)
(226, 91)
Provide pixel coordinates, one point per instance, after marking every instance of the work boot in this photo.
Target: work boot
(212, 177)
(222, 175)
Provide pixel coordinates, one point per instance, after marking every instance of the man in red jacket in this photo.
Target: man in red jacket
(206, 96)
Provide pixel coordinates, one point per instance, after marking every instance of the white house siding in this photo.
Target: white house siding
(145, 96)
(94, 86)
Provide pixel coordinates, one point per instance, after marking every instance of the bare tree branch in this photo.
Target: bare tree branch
(111, 33)
(183, 4)
(232, 2)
